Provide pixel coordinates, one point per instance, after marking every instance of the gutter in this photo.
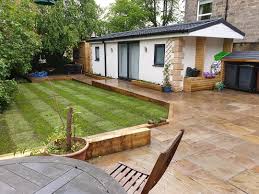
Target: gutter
(105, 59)
(226, 10)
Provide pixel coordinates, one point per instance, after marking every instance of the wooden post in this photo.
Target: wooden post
(228, 45)
(200, 53)
(85, 56)
(69, 129)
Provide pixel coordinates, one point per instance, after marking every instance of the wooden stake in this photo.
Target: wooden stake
(69, 128)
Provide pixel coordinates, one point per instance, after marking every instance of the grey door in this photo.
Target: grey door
(128, 60)
(133, 61)
(123, 61)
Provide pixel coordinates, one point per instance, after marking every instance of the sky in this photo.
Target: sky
(104, 3)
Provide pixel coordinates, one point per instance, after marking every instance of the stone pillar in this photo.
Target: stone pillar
(177, 65)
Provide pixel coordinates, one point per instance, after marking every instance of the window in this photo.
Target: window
(159, 59)
(97, 53)
(204, 11)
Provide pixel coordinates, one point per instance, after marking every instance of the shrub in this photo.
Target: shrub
(7, 93)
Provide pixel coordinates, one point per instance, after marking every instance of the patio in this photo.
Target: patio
(220, 149)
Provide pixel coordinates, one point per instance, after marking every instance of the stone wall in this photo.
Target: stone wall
(244, 14)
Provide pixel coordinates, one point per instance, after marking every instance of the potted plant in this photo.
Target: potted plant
(62, 143)
(167, 87)
(219, 86)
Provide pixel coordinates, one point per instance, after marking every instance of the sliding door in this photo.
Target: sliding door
(123, 61)
(133, 61)
(129, 60)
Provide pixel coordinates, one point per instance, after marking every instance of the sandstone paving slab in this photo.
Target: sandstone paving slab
(214, 184)
(216, 162)
(224, 141)
(247, 180)
(249, 150)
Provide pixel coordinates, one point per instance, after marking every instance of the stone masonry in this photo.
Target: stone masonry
(244, 14)
(177, 66)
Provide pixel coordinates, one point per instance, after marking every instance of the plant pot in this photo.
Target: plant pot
(167, 89)
(80, 154)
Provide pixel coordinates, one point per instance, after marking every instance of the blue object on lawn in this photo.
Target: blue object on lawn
(39, 74)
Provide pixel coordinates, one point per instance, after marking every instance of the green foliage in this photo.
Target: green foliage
(62, 26)
(4, 70)
(162, 13)
(18, 44)
(219, 86)
(126, 15)
(18, 39)
(7, 91)
(57, 141)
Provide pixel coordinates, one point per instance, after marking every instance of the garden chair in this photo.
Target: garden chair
(134, 181)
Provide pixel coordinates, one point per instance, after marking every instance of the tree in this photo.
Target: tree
(18, 38)
(163, 12)
(126, 15)
(18, 43)
(64, 25)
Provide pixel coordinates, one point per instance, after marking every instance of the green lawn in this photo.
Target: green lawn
(32, 118)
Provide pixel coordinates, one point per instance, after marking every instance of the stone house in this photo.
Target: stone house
(243, 14)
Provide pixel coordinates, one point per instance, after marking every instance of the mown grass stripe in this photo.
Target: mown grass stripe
(85, 123)
(89, 105)
(45, 110)
(98, 106)
(145, 110)
(27, 102)
(19, 128)
(7, 145)
(32, 119)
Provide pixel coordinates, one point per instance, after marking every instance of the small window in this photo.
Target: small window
(204, 11)
(97, 53)
(159, 59)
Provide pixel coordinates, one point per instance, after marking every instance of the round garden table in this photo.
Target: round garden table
(54, 175)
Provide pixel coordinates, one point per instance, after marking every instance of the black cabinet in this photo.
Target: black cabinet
(231, 75)
(241, 76)
(247, 78)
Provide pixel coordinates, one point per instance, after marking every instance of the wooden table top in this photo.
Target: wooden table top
(44, 175)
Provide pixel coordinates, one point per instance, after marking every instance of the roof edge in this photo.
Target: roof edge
(219, 21)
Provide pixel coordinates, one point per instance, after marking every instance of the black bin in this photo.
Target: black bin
(257, 78)
(231, 76)
(247, 78)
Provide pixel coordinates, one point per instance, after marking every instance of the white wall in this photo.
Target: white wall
(217, 31)
(98, 66)
(189, 51)
(213, 46)
(147, 71)
(112, 59)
